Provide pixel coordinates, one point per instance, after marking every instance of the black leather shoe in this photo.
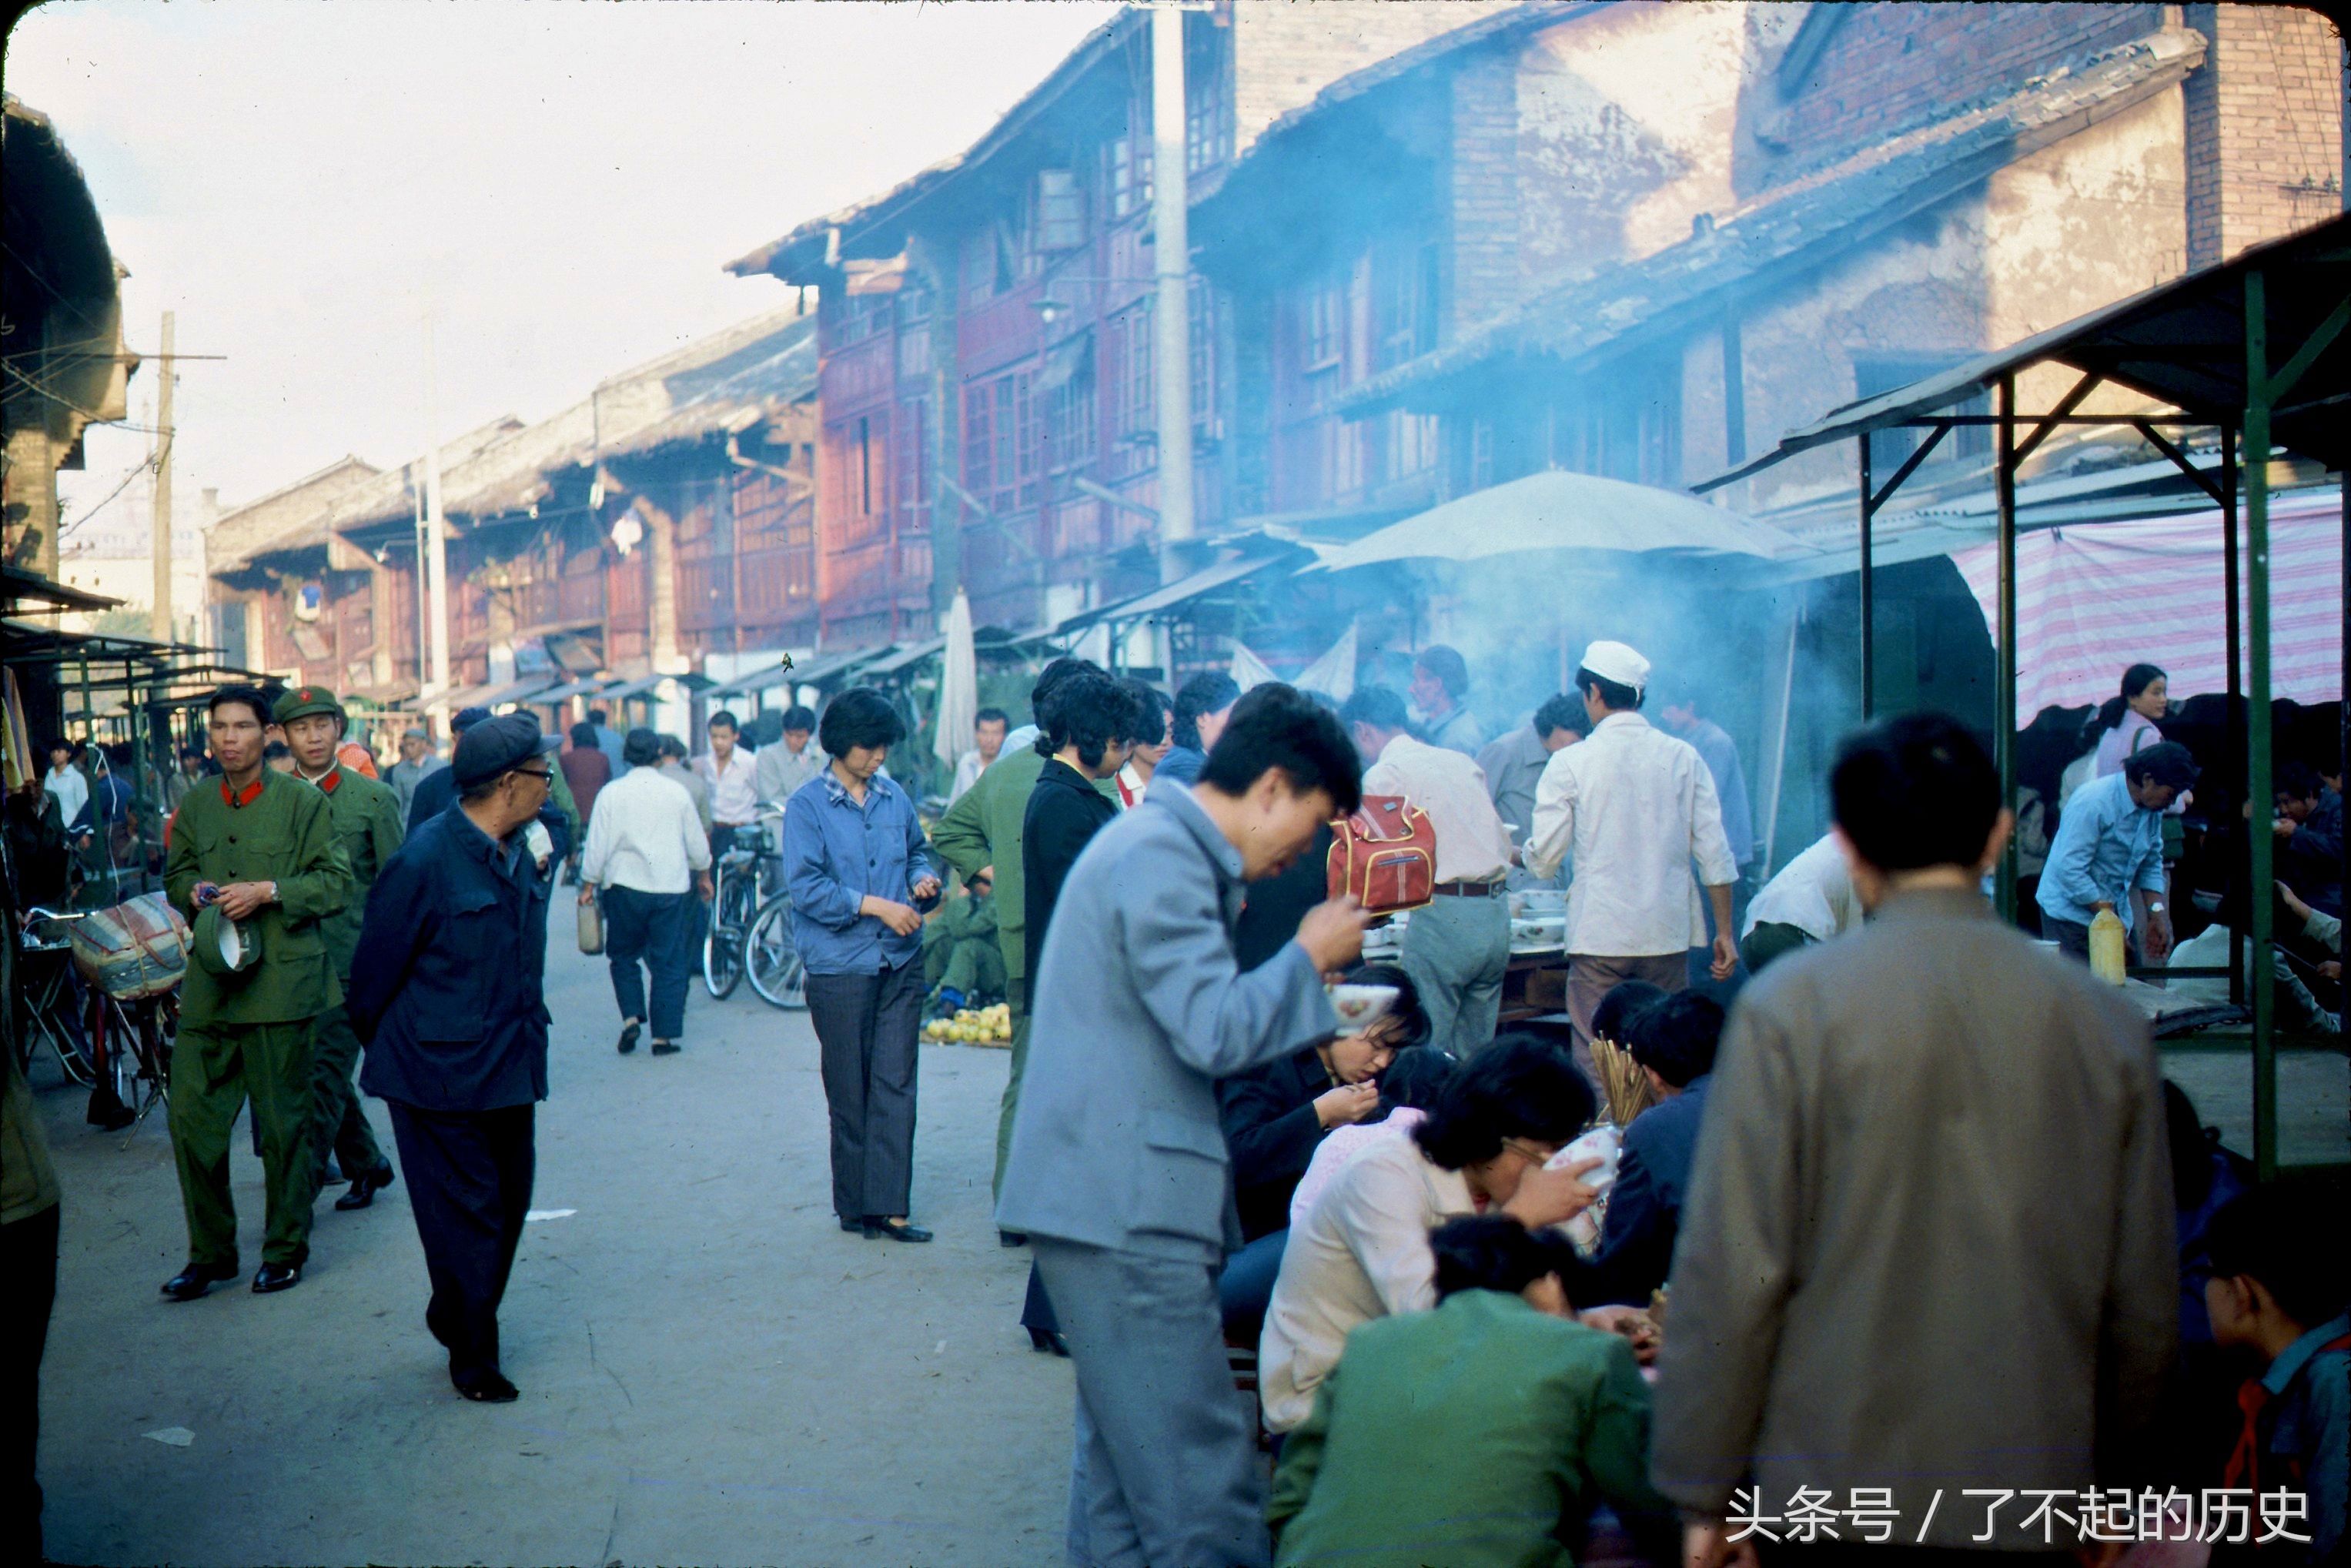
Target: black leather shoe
(629, 1032)
(1043, 1340)
(275, 1277)
(1012, 1239)
(849, 1224)
(489, 1387)
(195, 1279)
(364, 1189)
(666, 1048)
(894, 1230)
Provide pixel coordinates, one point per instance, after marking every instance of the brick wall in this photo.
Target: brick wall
(2264, 128)
(1892, 65)
(1286, 51)
(1483, 190)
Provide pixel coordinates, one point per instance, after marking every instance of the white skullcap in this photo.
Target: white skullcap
(1619, 663)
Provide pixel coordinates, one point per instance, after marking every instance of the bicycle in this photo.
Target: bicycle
(772, 957)
(141, 1062)
(49, 994)
(742, 876)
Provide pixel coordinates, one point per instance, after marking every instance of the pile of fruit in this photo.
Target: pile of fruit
(973, 1026)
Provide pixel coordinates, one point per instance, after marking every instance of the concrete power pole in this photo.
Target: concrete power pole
(436, 533)
(1172, 267)
(161, 619)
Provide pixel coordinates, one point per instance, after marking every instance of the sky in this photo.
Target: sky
(558, 183)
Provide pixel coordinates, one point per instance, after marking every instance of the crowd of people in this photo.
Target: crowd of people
(1910, 1233)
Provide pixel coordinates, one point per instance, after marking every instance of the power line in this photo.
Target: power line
(94, 417)
(143, 465)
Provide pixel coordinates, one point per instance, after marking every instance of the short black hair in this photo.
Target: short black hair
(1487, 1252)
(1521, 1086)
(2138, 677)
(641, 747)
(1378, 706)
(1276, 727)
(276, 749)
(1086, 709)
(2276, 1234)
(253, 697)
(1041, 690)
(1210, 693)
(859, 716)
(1562, 712)
(1620, 1010)
(1914, 791)
(1406, 1010)
(726, 718)
(599, 715)
(2168, 762)
(1146, 712)
(1614, 694)
(671, 746)
(583, 736)
(1452, 671)
(798, 716)
(2295, 781)
(1417, 1078)
(1678, 1037)
(985, 715)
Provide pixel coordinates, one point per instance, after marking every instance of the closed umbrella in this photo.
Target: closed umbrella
(958, 685)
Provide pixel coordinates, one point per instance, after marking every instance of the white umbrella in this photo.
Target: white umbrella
(1249, 670)
(958, 685)
(1556, 510)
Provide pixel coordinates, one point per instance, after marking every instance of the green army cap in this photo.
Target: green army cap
(297, 702)
(222, 946)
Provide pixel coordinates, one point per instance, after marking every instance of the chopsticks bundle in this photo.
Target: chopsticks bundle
(1622, 1082)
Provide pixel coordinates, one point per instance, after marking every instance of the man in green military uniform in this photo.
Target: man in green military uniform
(257, 849)
(962, 965)
(366, 827)
(982, 828)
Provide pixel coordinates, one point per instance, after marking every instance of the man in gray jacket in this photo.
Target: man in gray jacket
(1926, 1257)
(1118, 1171)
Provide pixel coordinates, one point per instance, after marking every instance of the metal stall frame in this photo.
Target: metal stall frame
(2199, 347)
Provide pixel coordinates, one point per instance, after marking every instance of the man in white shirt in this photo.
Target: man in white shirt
(1635, 806)
(1810, 900)
(647, 853)
(987, 730)
(793, 761)
(1455, 946)
(734, 780)
(70, 789)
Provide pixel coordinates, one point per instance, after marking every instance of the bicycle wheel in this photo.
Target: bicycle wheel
(159, 1027)
(771, 959)
(722, 942)
(51, 1024)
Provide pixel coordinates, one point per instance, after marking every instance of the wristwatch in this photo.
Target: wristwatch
(2155, 906)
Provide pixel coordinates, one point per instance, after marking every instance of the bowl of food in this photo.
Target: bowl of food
(1360, 1006)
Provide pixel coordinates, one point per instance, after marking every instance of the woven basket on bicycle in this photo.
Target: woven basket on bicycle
(134, 949)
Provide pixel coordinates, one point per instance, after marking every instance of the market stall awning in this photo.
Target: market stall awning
(23, 592)
(569, 689)
(494, 694)
(1557, 511)
(1183, 589)
(644, 686)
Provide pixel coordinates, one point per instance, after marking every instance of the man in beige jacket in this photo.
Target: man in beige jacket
(1927, 1263)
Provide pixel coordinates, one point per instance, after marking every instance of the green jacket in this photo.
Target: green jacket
(960, 919)
(983, 828)
(286, 836)
(1479, 1436)
(368, 829)
(28, 1183)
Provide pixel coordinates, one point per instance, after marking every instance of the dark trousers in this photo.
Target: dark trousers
(658, 930)
(1245, 1290)
(28, 1261)
(865, 1029)
(469, 1175)
(338, 1124)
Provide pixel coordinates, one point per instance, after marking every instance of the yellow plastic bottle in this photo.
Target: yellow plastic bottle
(2109, 949)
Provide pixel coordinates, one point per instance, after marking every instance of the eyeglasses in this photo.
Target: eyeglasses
(541, 773)
(1533, 1154)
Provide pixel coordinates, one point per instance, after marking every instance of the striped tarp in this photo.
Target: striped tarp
(2096, 598)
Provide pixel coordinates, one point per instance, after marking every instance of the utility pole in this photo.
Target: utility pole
(1172, 267)
(436, 533)
(161, 619)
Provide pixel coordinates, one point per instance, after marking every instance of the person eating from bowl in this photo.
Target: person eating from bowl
(1277, 1115)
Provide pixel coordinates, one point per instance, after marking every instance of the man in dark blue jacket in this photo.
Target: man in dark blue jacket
(1674, 1041)
(448, 992)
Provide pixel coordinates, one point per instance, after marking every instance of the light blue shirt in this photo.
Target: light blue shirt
(2106, 845)
(2313, 1423)
(837, 851)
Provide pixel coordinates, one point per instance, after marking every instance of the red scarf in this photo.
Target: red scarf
(2244, 1467)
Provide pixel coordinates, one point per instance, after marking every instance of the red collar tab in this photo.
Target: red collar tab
(334, 777)
(245, 797)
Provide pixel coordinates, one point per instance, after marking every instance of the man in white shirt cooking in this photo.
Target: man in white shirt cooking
(1635, 806)
(1810, 900)
(1457, 946)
